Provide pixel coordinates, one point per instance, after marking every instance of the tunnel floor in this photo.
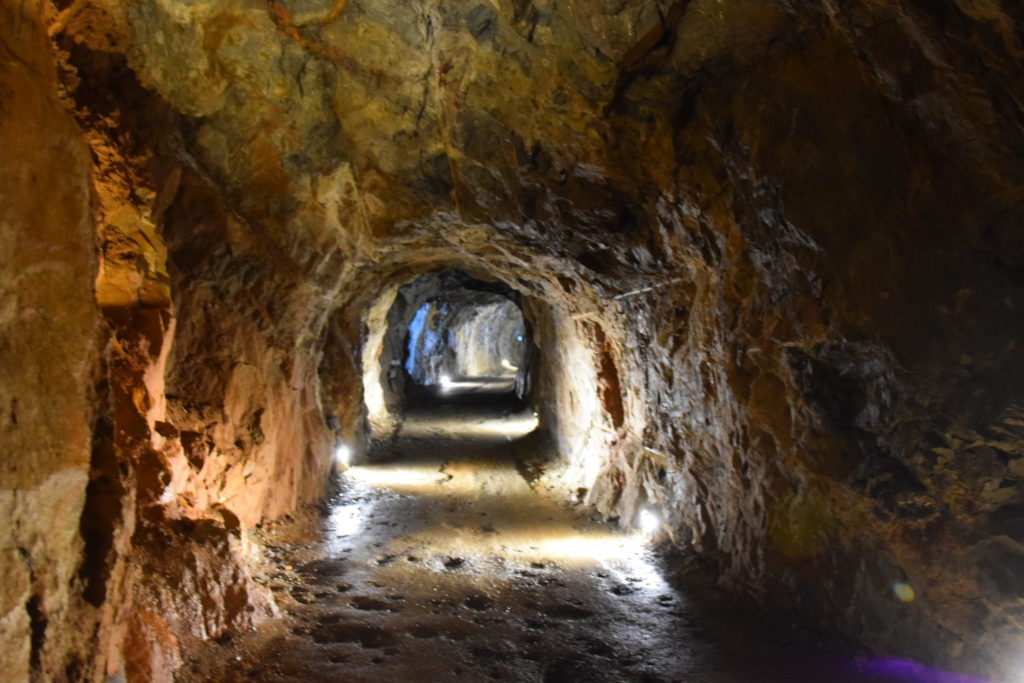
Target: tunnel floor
(447, 565)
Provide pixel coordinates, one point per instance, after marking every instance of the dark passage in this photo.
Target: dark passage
(450, 554)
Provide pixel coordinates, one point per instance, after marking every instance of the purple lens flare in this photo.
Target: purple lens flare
(909, 671)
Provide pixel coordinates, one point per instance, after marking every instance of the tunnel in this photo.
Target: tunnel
(462, 343)
(456, 357)
(591, 341)
(453, 339)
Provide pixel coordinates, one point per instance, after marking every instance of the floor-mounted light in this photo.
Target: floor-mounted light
(648, 521)
(343, 454)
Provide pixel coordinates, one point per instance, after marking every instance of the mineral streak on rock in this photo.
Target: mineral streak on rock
(771, 255)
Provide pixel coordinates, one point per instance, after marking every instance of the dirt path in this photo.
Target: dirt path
(446, 566)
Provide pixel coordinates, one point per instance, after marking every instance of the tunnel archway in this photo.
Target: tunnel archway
(449, 353)
(454, 338)
(591, 428)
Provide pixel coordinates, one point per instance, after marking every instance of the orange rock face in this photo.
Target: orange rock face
(49, 354)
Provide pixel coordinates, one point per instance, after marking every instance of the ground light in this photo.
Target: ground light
(471, 426)
(648, 521)
(343, 454)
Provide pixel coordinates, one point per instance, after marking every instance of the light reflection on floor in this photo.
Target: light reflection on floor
(531, 536)
(468, 424)
(344, 521)
(446, 565)
(471, 509)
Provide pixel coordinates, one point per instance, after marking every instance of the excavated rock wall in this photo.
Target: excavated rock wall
(49, 355)
(853, 325)
(489, 341)
(771, 251)
(158, 412)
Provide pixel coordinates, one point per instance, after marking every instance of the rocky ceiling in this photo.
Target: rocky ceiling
(772, 252)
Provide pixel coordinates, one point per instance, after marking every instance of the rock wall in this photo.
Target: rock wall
(155, 412)
(846, 348)
(49, 354)
(771, 251)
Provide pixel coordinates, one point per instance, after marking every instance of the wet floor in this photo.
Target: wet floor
(446, 565)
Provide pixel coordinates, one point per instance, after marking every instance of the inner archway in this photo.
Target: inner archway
(468, 340)
(457, 357)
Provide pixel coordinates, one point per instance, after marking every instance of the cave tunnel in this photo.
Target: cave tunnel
(463, 343)
(456, 358)
(528, 341)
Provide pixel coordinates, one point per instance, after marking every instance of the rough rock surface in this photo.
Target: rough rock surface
(771, 252)
(49, 354)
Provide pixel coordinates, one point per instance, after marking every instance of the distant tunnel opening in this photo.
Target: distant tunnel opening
(457, 352)
(466, 342)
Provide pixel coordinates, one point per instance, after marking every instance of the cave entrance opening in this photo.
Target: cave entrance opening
(459, 359)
